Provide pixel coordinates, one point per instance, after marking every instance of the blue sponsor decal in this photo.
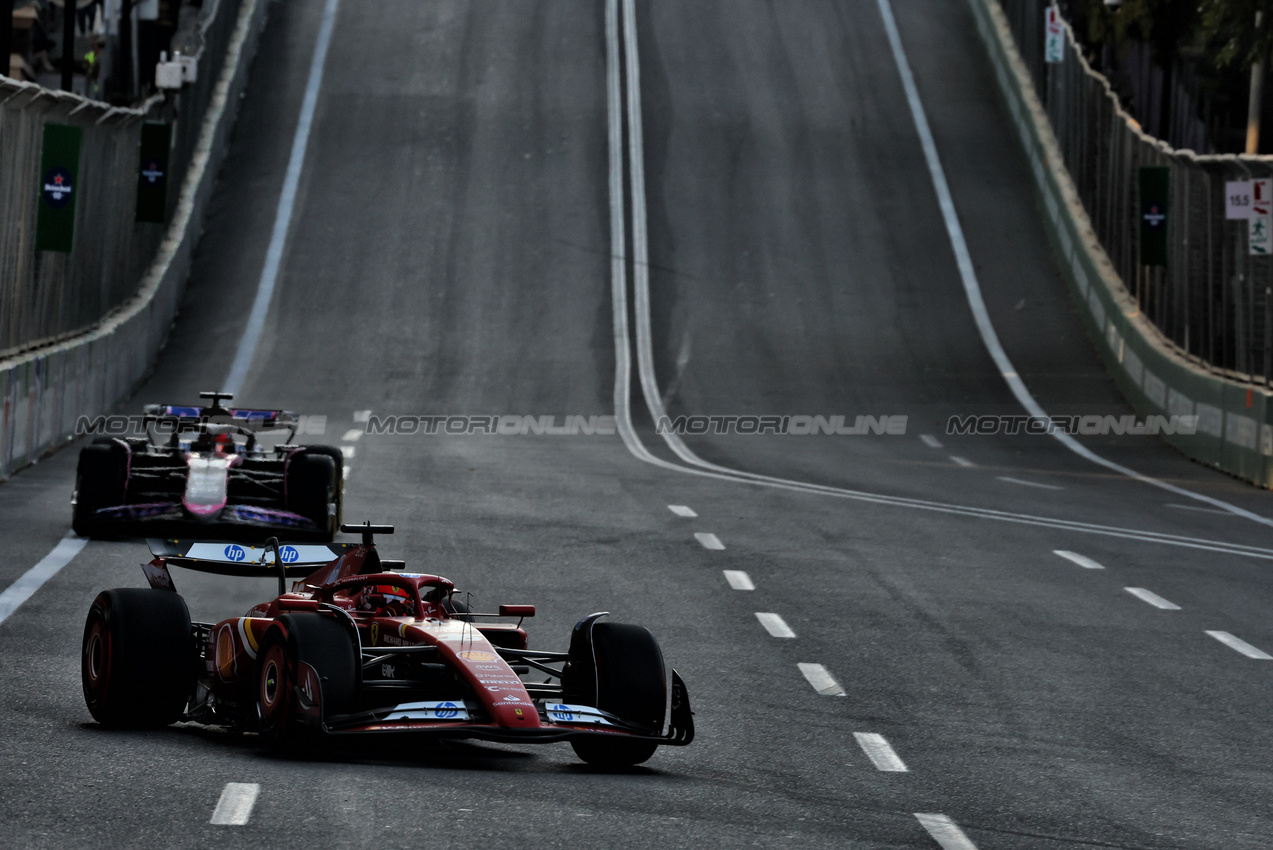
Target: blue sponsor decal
(561, 713)
(446, 710)
(289, 554)
(235, 553)
(252, 415)
(177, 410)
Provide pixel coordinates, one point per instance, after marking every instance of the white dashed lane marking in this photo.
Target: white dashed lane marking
(362, 415)
(1241, 646)
(823, 682)
(682, 510)
(877, 749)
(930, 441)
(1152, 598)
(709, 540)
(235, 806)
(353, 435)
(775, 625)
(962, 461)
(33, 579)
(347, 451)
(1082, 560)
(945, 832)
(739, 580)
(345, 470)
(1025, 483)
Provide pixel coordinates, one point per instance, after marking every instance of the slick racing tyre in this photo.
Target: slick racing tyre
(313, 483)
(321, 642)
(137, 660)
(100, 480)
(624, 676)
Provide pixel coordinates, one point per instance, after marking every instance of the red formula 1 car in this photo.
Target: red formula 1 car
(361, 647)
(201, 468)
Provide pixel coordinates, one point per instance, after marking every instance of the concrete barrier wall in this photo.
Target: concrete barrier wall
(44, 392)
(1234, 425)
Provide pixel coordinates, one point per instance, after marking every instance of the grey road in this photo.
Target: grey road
(466, 231)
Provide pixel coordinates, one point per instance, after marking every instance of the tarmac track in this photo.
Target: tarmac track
(451, 254)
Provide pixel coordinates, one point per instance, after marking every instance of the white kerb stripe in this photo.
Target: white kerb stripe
(962, 461)
(1152, 598)
(709, 540)
(353, 435)
(235, 806)
(286, 204)
(775, 625)
(945, 832)
(930, 441)
(1082, 560)
(33, 579)
(880, 753)
(738, 580)
(823, 682)
(1241, 646)
(682, 510)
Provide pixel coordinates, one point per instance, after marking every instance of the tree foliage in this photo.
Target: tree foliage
(1216, 33)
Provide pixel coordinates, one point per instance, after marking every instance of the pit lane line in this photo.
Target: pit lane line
(775, 625)
(623, 356)
(945, 831)
(739, 580)
(709, 540)
(880, 752)
(33, 579)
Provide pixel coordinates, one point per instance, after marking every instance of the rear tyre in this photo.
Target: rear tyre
(137, 660)
(324, 644)
(313, 484)
(100, 480)
(630, 683)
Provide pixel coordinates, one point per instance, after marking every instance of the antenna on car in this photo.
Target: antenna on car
(366, 530)
(278, 564)
(216, 397)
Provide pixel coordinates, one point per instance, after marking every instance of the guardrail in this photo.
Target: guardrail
(1213, 301)
(47, 296)
(1234, 418)
(46, 390)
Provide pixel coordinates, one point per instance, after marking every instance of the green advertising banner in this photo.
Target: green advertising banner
(1155, 192)
(59, 183)
(152, 172)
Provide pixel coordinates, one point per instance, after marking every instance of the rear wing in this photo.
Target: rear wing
(257, 420)
(227, 558)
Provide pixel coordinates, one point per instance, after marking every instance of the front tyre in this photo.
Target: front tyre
(137, 659)
(626, 678)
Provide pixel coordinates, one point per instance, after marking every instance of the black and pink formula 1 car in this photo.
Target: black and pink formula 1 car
(202, 471)
(361, 647)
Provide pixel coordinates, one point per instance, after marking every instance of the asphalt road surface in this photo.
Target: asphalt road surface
(468, 237)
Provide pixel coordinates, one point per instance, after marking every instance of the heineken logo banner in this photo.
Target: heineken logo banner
(59, 188)
(1155, 192)
(152, 172)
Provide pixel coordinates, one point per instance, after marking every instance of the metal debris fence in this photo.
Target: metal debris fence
(46, 297)
(1213, 302)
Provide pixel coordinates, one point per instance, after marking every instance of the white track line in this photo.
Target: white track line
(1152, 598)
(1025, 483)
(972, 288)
(962, 461)
(682, 510)
(345, 470)
(930, 441)
(738, 580)
(286, 204)
(709, 540)
(1198, 509)
(362, 415)
(823, 682)
(33, 579)
(775, 625)
(1241, 646)
(945, 832)
(1082, 560)
(623, 355)
(347, 451)
(877, 749)
(235, 806)
(353, 435)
